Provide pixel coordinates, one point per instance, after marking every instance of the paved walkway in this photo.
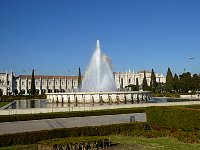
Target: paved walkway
(47, 124)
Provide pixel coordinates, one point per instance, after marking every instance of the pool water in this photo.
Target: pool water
(43, 103)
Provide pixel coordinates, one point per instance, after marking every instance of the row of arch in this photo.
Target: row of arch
(43, 91)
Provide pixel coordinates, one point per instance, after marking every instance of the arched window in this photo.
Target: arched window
(22, 91)
(43, 91)
(49, 90)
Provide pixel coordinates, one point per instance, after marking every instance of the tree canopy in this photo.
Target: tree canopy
(176, 83)
(169, 86)
(33, 90)
(79, 79)
(144, 83)
(153, 83)
(182, 83)
(185, 82)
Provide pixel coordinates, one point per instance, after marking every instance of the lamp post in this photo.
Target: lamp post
(190, 92)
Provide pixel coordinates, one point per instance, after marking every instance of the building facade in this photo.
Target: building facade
(123, 79)
(47, 84)
(7, 83)
(11, 84)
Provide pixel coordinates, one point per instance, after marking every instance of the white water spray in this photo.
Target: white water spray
(99, 75)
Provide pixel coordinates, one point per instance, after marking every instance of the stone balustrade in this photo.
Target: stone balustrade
(99, 97)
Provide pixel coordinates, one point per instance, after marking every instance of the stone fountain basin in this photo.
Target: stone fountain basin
(97, 97)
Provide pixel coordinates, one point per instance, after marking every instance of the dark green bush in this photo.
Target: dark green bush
(34, 137)
(193, 106)
(165, 94)
(186, 137)
(174, 117)
(130, 129)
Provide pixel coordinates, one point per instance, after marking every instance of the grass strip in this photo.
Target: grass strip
(3, 103)
(130, 142)
(26, 117)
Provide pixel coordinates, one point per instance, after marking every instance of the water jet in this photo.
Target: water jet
(98, 85)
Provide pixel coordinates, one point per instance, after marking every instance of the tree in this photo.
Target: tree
(137, 82)
(169, 86)
(137, 85)
(144, 82)
(33, 91)
(79, 79)
(195, 82)
(1, 92)
(160, 87)
(185, 82)
(176, 83)
(133, 87)
(153, 82)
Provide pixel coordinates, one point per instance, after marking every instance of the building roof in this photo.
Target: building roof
(142, 71)
(48, 76)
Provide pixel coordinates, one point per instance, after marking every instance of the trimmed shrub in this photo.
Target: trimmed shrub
(35, 136)
(173, 117)
(129, 129)
(172, 95)
(186, 137)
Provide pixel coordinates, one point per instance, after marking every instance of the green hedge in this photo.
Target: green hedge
(34, 137)
(136, 129)
(25, 117)
(165, 94)
(174, 117)
(193, 106)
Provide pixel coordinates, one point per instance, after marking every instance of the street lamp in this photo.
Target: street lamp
(190, 92)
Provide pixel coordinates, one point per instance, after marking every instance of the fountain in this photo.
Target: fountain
(99, 75)
(98, 86)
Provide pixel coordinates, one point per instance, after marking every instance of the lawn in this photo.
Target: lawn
(141, 143)
(3, 103)
(130, 143)
(20, 147)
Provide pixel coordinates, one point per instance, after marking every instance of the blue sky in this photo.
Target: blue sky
(56, 37)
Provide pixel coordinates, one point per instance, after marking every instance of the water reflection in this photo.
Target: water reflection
(22, 104)
(43, 103)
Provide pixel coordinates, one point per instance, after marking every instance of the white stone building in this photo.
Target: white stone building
(47, 84)
(123, 79)
(10, 84)
(7, 83)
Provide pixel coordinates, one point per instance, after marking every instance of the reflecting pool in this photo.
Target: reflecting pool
(43, 103)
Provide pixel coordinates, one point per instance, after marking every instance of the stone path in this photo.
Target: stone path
(47, 124)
